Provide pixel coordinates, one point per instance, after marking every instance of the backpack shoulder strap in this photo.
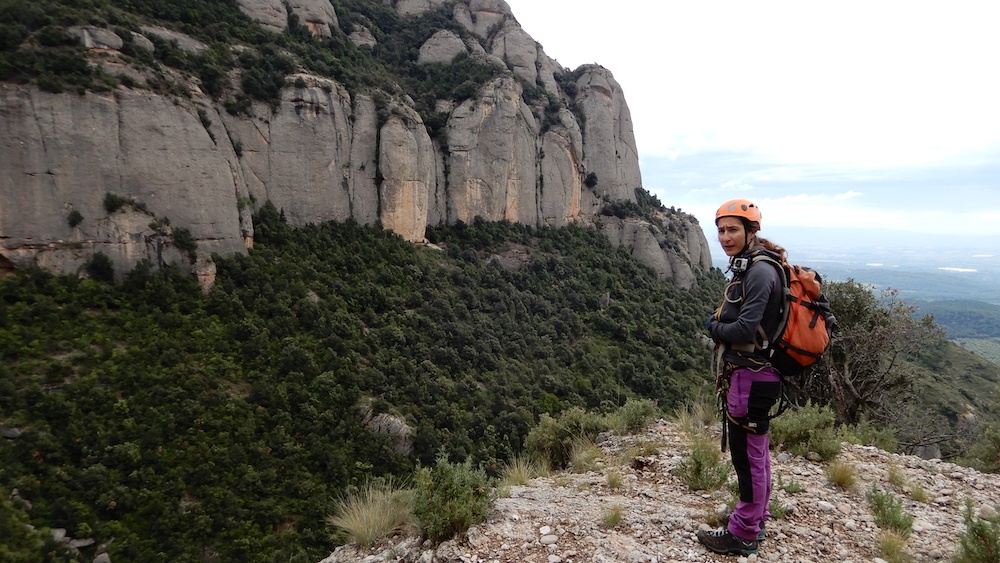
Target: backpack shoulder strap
(783, 277)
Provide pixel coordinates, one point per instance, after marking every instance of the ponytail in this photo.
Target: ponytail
(775, 248)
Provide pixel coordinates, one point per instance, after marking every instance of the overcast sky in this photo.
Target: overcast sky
(877, 114)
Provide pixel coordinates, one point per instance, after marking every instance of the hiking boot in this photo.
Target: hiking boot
(721, 541)
(760, 534)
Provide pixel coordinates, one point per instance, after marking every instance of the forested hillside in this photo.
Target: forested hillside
(964, 318)
(973, 325)
(184, 425)
(57, 62)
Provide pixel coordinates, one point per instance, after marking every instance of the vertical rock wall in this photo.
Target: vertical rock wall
(491, 146)
(608, 138)
(406, 160)
(298, 156)
(322, 154)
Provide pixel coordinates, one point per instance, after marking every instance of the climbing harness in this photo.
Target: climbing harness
(724, 362)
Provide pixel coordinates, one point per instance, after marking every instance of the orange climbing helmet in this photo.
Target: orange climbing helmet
(742, 208)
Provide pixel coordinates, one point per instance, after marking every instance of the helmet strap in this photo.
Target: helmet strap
(751, 236)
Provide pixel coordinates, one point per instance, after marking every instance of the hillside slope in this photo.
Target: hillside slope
(559, 518)
(326, 356)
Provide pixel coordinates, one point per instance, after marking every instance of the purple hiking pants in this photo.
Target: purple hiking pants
(751, 396)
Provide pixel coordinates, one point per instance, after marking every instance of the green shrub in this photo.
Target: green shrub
(867, 434)
(778, 510)
(612, 516)
(705, 469)
(100, 268)
(74, 218)
(984, 454)
(451, 497)
(980, 543)
(54, 36)
(894, 475)
(206, 121)
(919, 494)
(264, 73)
(807, 429)
(792, 487)
(11, 36)
(553, 439)
(887, 509)
(184, 240)
(21, 541)
(584, 456)
(644, 448)
(634, 416)
(212, 67)
(51, 84)
(114, 202)
(614, 480)
(240, 105)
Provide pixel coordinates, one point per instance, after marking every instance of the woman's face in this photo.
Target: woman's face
(732, 235)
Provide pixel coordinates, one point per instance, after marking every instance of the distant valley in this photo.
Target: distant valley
(920, 267)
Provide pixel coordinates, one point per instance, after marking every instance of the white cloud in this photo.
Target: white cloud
(847, 195)
(852, 211)
(863, 83)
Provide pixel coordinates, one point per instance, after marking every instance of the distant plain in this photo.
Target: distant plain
(922, 267)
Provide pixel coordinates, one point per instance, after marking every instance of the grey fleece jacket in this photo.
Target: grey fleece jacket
(753, 298)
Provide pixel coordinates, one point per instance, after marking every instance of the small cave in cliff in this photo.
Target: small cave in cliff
(6, 267)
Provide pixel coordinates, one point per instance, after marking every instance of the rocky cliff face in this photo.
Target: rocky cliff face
(323, 153)
(316, 15)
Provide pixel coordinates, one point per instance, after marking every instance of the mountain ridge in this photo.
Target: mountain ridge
(453, 113)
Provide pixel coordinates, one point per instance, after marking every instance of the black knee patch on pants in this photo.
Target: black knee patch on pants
(741, 462)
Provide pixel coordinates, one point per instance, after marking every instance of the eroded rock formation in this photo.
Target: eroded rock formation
(323, 153)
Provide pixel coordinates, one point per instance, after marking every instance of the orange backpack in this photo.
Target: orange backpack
(807, 322)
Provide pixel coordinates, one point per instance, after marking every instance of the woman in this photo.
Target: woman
(750, 384)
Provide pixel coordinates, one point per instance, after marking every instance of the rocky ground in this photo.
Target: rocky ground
(562, 517)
